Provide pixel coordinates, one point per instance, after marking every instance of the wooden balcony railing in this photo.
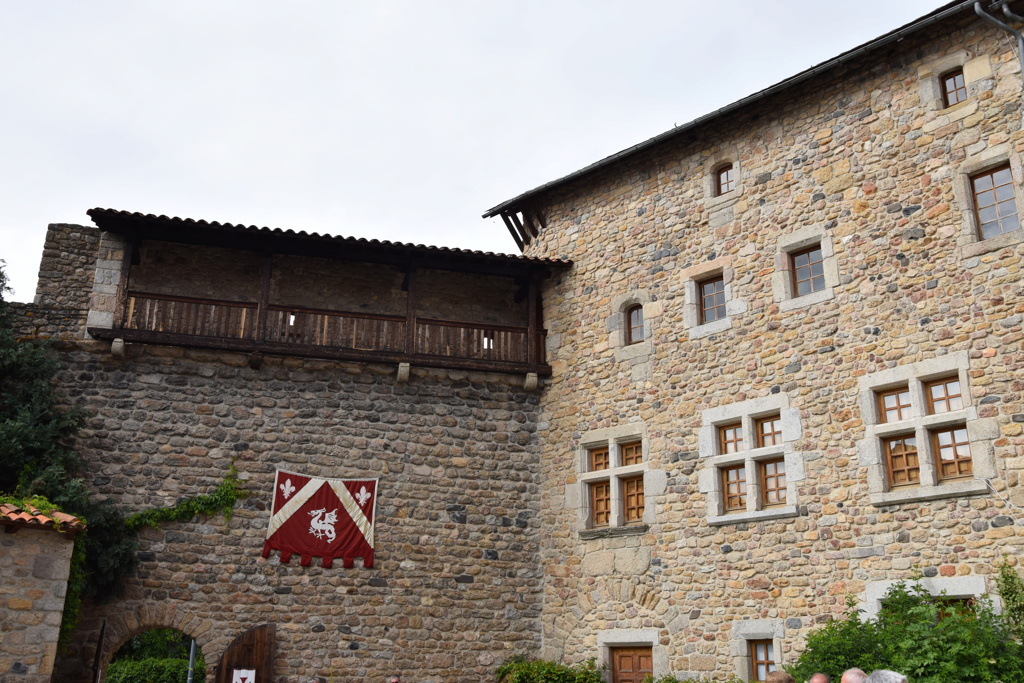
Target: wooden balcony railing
(209, 323)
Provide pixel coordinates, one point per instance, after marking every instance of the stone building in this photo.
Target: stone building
(754, 365)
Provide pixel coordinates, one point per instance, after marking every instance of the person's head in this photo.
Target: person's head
(395, 679)
(819, 678)
(853, 676)
(779, 677)
(885, 676)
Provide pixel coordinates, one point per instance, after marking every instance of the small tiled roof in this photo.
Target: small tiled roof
(27, 516)
(109, 219)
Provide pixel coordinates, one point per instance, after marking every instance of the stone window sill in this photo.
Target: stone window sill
(722, 201)
(806, 300)
(757, 516)
(969, 487)
(992, 244)
(613, 532)
(632, 351)
(708, 329)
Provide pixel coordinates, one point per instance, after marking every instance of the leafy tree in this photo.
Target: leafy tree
(154, 656)
(930, 639)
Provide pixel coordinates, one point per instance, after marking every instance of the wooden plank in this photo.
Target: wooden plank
(410, 312)
(512, 231)
(264, 301)
(120, 303)
(532, 301)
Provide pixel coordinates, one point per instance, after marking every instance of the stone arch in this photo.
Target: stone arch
(134, 619)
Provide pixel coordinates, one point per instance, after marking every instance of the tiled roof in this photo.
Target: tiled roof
(104, 217)
(28, 516)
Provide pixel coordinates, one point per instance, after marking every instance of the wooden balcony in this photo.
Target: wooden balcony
(317, 333)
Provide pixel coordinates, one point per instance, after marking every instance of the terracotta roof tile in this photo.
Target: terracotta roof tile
(28, 516)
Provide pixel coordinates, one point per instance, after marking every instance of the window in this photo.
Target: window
(894, 405)
(808, 271)
(748, 478)
(953, 453)
(901, 457)
(634, 324)
(614, 482)
(762, 659)
(730, 438)
(944, 396)
(773, 482)
(712, 299)
(734, 485)
(725, 180)
(995, 204)
(954, 89)
(631, 664)
(923, 438)
(769, 431)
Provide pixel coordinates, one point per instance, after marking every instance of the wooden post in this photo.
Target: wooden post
(264, 302)
(410, 311)
(533, 329)
(121, 303)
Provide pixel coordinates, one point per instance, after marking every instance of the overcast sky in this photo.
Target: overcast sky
(395, 120)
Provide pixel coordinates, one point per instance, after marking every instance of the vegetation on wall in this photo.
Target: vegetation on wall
(42, 469)
(930, 639)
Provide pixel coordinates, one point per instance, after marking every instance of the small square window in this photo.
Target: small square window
(901, 458)
(769, 431)
(730, 438)
(952, 453)
(954, 90)
(995, 203)
(762, 659)
(808, 271)
(725, 180)
(773, 482)
(600, 503)
(635, 325)
(944, 395)
(894, 405)
(734, 488)
(632, 453)
(633, 500)
(712, 299)
(599, 459)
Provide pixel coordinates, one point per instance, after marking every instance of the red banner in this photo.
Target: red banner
(325, 518)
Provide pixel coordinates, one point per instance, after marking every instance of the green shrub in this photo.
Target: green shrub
(522, 670)
(673, 679)
(927, 638)
(150, 671)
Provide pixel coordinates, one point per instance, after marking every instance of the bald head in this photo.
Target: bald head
(853, 676)
(819, 678)
(779, 677)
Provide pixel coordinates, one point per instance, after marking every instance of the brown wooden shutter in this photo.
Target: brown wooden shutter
(631, 664)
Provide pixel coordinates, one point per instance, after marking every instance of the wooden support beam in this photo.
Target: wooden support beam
(512, 231)
(410, 311)
(264, 302)
(121, 303)
(519, 226)
(533, 328)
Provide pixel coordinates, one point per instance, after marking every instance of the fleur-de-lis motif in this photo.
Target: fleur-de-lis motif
(362, 496)
(287, 489)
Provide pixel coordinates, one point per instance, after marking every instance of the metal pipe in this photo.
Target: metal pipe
(1006, 27)
(191, 660)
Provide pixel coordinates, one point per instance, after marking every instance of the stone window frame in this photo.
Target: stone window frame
(710, 480)
(692, 278)
(728, 156)
(628, 637)
(969, 240)
(971, 586)
(783, 289)
(617, 321)
(743, 632)
(871, 453)
(578, 493)
(930, 74)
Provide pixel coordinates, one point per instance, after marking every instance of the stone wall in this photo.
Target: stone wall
(455, 586)
(34, 565)
(865, 163)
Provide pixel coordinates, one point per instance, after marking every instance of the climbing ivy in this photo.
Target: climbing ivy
(222, 499)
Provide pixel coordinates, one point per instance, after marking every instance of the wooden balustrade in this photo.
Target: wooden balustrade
(211, 323)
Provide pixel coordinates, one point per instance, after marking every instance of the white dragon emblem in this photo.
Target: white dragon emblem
(362, 497)
(322, 525)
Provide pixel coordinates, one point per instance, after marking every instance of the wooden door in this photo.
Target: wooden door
(251, 651)
(631, 664)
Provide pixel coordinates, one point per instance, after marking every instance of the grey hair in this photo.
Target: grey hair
(854, 676)
(886, 676)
